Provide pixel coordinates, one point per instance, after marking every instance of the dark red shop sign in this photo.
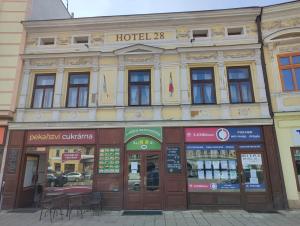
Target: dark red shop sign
(61, 137)
(71, 156)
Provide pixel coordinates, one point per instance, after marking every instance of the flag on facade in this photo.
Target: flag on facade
(171, 86)
(105, 86)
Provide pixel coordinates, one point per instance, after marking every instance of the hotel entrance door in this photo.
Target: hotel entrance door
(143, 183)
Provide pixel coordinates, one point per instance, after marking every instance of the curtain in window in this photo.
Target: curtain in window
(134, 95)
(48, 98)
(38, 98)
(83, 96)
(246, 92)
(72, 97)
(208, 94)
(197, 94)
(145, 98)
(234, 92)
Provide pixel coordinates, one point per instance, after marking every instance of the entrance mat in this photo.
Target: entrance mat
(24, 210)
(141, 212)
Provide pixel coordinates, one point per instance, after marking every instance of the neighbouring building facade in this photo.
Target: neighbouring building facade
(158, 111)
(12, 43)
(281, 35)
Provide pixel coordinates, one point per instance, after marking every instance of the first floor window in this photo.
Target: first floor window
(240, 85)
(139, 88)
(78, 90)
(203, 88)
(296, 162)
(31, 171)
(289, 66)
(43, 91)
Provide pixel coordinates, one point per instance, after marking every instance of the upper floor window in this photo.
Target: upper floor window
(240, 85)
(78, 90)
(203, 88)
(47, 41)
(43, 91)
(139, 87)
(289, 66)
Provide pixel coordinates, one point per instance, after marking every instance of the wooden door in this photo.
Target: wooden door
(143, 183)
(255, 194)
(29, 181)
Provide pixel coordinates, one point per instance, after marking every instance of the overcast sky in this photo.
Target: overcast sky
(85, 8)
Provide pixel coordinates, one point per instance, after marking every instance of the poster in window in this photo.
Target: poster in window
(201, 174)
(173, 160)
(233, 175)
(109, 160)
(216, 164)
(232, 164)
(200, 164)
(224, 175)
(217, 175)
(224, 164)
(207, 164)
(209, 175)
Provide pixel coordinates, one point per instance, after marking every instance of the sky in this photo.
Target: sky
(87, 8)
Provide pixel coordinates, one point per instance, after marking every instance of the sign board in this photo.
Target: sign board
(109, 160)
(61, 137)
(251, 159)
(2, 134)
(71, 156)
(155, 132)
(296, 136)
(143, 144)
(12, 158)
(219, 134)
(173, 160)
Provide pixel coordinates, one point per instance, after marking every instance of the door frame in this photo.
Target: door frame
(245, 194)
(143, 191)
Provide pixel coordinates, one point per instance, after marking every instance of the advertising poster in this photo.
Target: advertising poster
(217, 175)
(216, 164)
(201, 174)
(207, 164)
(224, 164)
(209, 175)
(109, 160)
(200, 164)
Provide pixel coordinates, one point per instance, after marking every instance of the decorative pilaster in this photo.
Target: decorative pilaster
(184, 81)
(223, 81)
(260, 77)
(120, 82)
(58, 87)
(94, 86)
(157, 85)
(25, 85)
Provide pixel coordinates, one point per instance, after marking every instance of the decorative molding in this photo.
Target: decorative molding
(78, 61)
(43, 62)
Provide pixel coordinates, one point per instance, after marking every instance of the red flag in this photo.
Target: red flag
(171, 86)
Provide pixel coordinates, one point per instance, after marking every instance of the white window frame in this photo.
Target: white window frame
(40, 41)
(236, 36)
(200, 38)
(83, 35)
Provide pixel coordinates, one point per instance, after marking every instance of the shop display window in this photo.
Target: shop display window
(296, 162)
(72, 169)
(212, 168)
(31, 173)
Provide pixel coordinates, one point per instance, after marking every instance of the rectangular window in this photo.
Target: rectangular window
(212, 168)
(233, 31)
(43, 91)
(78, 90)
(203, 87)
(296, 163)
(200, 33)
(240, 85)
(47, 41)
(31, 173)
(139, 86)
(289, 66)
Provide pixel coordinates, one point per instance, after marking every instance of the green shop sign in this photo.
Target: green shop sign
(143, 144)
(155, 132)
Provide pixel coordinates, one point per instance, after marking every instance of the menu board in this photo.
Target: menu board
(109, 160)
(12, 159)
(173, 160)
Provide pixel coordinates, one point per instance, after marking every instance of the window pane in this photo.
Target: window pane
(152, 172)
(287, 80)
(30, 177)
(209, 95)
(297, 72)
(48, 98)
(197, 94)
(145, 97)
(70, 169)
(296, 59)
(134, 98)
(234, 93)
(297, 163)
(246, 92)
(139, 76)
(83, 97)
(79, 79)
(72, 100)
(45, 80)
(212, 168)
(201, 74)
(134, 172)
(38, 98)
(284, 60)
(238, 73)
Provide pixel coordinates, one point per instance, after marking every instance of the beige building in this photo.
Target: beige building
(12, 43)
(144, 88)
(281, 38)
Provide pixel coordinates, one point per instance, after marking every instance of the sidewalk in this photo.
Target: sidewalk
(168, 218)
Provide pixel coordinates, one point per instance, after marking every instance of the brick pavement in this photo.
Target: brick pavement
(169, 218)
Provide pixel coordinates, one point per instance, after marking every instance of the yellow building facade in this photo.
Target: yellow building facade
(281, 36)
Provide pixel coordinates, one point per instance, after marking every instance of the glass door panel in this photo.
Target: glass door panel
(152, 176)
(253, 172)
(134, 172)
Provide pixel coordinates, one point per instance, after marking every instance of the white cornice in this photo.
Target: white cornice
(159, 19)
(281, 11)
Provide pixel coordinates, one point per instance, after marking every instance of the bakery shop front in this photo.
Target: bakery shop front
(167, 168)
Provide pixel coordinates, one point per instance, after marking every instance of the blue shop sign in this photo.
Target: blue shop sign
(202, 147)
(239, 134)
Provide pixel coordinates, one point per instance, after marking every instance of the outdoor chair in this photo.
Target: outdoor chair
(75, 203)
(96, 202)
(46, 205)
